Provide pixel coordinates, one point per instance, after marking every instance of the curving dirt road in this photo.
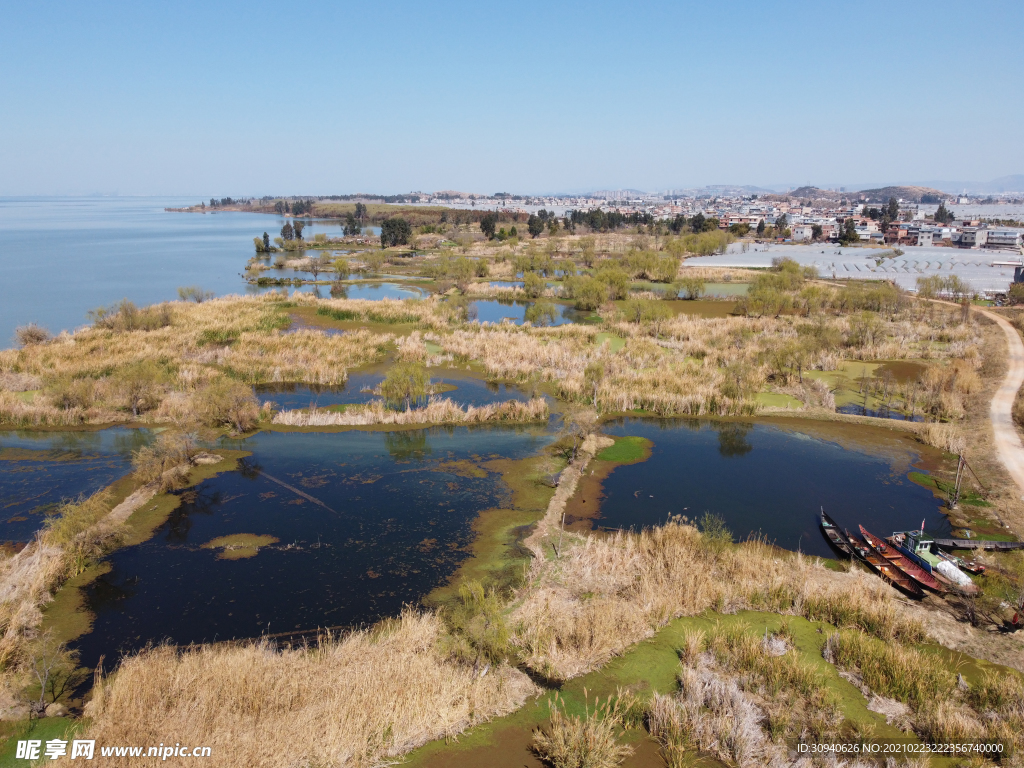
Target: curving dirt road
(1008, 442)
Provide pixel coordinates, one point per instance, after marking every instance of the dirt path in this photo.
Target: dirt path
(1007, 441)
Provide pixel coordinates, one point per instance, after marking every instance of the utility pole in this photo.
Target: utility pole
(959, 479)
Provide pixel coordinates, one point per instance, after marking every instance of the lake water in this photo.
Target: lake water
(761, 478)
(39, 470)
(468, 391)
(95, 251)
(391, 520)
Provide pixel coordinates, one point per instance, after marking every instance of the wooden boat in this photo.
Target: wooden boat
(903, 563)
(884, 568)
(920, 549)
(835, 536)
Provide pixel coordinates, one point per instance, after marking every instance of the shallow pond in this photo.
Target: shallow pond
(39, 470)
(354, 524)
(768, 479)
(370, 291)
(494, 311)
(468, 390)
(506, 283)
(880, 413)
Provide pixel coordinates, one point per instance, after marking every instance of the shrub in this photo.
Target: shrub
(230, 403)
(541, 313)
(581, 742)
(28, 335)
(534, 285)
(588, 293)
(405, 383)
(645, 311)
(125, 316)
(195, 293)
(691, 287)
(67, 393)
(139, 385)
(616, 280)
(166, 460)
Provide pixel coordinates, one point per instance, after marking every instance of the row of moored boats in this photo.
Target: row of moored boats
(909, 560)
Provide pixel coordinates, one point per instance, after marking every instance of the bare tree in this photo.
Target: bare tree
(577, 423)
(56, 669)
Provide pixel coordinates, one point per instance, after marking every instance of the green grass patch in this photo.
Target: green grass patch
(337, 314)
(627, 450)
(778, 400)
(42, 729)
(239, 546)
(377, 317)
(615, 343)
(217, 336)
(432, 348)
(945, 489)
(648, 667)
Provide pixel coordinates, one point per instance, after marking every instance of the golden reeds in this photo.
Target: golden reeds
(437, 411)
(362, 699)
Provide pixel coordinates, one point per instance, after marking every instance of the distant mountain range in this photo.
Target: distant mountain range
(1002, 185)
(877, 195)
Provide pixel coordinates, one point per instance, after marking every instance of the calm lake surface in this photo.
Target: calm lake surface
(764, 479)
(393, 521)
(39, 470)
(95, 251)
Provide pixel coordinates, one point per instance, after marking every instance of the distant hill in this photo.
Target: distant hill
(813, 195)
(913, 194)
(879, 195)
(1014, 183)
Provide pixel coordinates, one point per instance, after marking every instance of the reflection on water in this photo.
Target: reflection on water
(366, 522)
(39, 470)
(368, 291)
(359, 389)
(881, 413)
(506, 283)
(761, 479)
(494, 311)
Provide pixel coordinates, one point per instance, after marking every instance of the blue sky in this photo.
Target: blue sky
(317, 98)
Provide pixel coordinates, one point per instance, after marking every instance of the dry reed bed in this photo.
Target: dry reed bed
(67, 544)
(363, 699)
(105, 374)
(437, 411)
(608, 593)
(430, 312)
(690, 365)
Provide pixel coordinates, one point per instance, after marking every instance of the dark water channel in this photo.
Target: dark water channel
(764, 479)
(366, 522)
(39, 470)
